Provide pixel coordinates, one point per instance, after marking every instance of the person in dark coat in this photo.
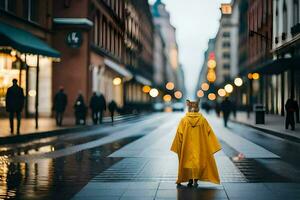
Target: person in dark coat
(59, 105)
(112, 107)
(14, 104)
(80, 110)
(226, 109)
(291, 108)
(102, 108)
(95, 107)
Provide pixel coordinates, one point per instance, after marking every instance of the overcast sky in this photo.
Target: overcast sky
(196, 21)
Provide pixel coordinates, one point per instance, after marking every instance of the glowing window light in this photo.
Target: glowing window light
(200, 93)
(212, 96)
(205, 86)
(170, 85)
(32, 93)
(238, 82)
(117, 81)
(222, 92)
(154, 92)
(229, 88)
(178, 95)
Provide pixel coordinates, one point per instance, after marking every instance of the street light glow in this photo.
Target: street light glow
(117, 81)
(170, 85)
(200, 93)
(178, 95)
(211, 76)
(222, 92)
(229, 88)
(205, 86)
(250, 76)
(167, 98)
(211, 64)
(212, 96)
(255, 76)
(238, 82)
(146, 89)
(154, 92)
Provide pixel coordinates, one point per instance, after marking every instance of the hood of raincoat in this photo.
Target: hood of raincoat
(194, 118)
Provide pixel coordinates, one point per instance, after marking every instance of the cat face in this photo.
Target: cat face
(193, 106)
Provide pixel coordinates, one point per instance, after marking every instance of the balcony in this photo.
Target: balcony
(295, 29)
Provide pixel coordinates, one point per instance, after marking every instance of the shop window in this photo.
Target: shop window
(31, 10)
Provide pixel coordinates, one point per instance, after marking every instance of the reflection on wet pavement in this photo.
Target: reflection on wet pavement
(58, 178)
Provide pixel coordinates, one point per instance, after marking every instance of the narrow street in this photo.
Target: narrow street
(132, 160)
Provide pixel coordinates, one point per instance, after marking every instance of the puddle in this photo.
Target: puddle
(58, 178)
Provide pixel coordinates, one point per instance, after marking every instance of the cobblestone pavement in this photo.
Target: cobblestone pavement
(132, 161)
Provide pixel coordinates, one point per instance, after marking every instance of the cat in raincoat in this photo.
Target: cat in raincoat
(195, 144)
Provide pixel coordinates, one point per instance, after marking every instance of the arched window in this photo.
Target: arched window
(285, 18)
(296, 12)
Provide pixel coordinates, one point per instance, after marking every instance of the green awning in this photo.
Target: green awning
(25, 42)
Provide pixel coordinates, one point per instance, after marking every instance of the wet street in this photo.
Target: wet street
(132, 160)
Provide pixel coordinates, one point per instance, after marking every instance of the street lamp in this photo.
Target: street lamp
(170, 85)
(255, 76)
(228, 88)
(117, 81)
(222, 92)
(154, 92)
(205, 86)
(178, 95)
(212, 96)
(200, 93)
(167, 98)
(238, 82)
(146, 89)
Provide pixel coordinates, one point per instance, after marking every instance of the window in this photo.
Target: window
(226, 44)
(96, 19)
(31, 10)
(226, 34)
(226, 66)
(226, 55)
(296, 12)
(277, 19)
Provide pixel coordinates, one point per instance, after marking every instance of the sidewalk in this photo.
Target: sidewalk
(47, 127)
(274, 124)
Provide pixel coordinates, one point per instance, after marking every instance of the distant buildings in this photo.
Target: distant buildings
(262, 49)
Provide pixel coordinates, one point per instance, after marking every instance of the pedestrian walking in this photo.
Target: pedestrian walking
(226, 107)
(59, 105)
(14, 104)
(291, 107)
(80, 110)
(102, 104)
(95, 107)
(112, 107)
(195, 144)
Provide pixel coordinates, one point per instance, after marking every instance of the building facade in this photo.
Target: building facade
(105, 48)
(25, 53)
(162, 21)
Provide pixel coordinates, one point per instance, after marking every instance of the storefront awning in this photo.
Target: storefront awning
(118, 68)
(25, 42)
(278, 66)
(142, 80)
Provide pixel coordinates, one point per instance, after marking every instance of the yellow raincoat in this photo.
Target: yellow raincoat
(195, 144)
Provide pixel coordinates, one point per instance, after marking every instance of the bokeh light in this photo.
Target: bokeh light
(170, 85)
(238, 82)
(229, 88)
(200, 93)
(205, 86)
(222, 92)
(154, 92)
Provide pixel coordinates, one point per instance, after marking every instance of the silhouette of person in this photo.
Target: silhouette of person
(102, 104)
(226, 109)
(14, 104)
(95, 107)
(59, 105)
(291, 108)
(218, 109)
(112, 107)
(80, 110)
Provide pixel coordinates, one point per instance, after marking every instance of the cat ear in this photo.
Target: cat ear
(188, 102)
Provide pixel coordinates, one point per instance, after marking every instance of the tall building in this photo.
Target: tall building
(223, 46)
(106, 47)
(26, 53)
(162, 21)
